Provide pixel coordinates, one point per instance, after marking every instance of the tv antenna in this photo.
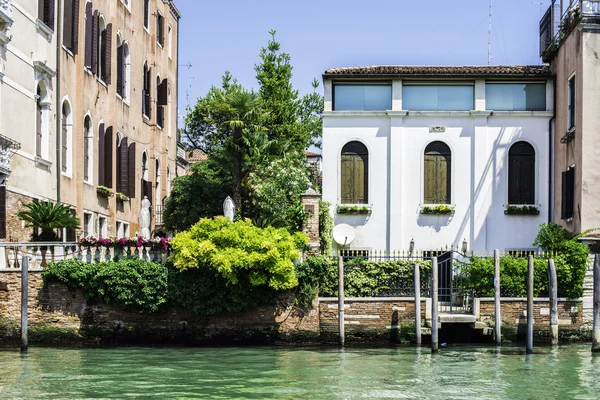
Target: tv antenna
(490, 35)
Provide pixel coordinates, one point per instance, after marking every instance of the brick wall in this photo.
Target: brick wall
(514, 312)
(311, 225)
(15, 231)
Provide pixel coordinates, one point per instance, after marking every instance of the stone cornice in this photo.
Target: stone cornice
(43, 68)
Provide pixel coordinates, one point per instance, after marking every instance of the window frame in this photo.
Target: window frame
(470, 84)
(533, 173)
(66, 140)
(88, 149)
(366, 172)
(146, 22)
(160, 29)
(385, 83)
(500, 82)
(449, 174)
(568, 193)
(571, 103)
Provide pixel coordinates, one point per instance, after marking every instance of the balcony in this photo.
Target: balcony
(557, 24)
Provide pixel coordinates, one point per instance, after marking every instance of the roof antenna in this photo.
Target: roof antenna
(490, 35)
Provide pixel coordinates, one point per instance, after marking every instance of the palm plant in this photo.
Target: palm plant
(47, 217)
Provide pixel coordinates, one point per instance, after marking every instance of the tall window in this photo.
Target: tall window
(71, 25)
(123, 69)
(437, 173)
(170, 41)
(146, 105)
(160, 29)
(146, 13)
(158, 188)
(104, 50)
(571, 104)
(88, 137)
(521, 174)
(161, 101)
(568, 193)
(39, 136)
(65, 140)
(515, 96)
(91, 19)
(355, 173)
(46, 12)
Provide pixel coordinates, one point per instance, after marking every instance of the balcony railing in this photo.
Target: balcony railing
(556, 24)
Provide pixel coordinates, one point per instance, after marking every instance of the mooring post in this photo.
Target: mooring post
(434, 305)
(529, 343)
(553, 298)
(596, 326)
(24, 298)
(341, 299)
(497, 315)
(417, 304)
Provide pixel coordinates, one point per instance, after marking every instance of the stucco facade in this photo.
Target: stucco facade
(479, 141)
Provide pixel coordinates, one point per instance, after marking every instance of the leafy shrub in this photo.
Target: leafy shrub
(325, 227)
(240, 252)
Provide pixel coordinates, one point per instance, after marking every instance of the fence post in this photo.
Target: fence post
(553, 294)
(417, 304)
(596, 329)
(434, 305)
(341, 299)
(497, 310)
(529, 343)
(24, 298)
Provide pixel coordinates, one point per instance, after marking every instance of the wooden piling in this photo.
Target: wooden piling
(24, 298)
(497, 315)
(596, 329)
(417, 304)
(553, 294)
(434, 305)
(529, 342)
(341, 299)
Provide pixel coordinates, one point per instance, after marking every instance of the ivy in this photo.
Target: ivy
(325, 227)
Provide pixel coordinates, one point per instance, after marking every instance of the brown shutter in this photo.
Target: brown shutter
(160, 116)
(162, 95)
(95, 33)
(347, 187)
(49, 13)
(120, 70)
(429, 179)
(101, 152)
(443, 179)
(108, 157)
(3, 212)
(132, 170)
(68, 24)
(89, 32)
(106, 68)
(123, 172)
(75, 29)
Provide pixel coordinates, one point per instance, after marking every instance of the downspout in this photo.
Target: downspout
(58, 107)
(551, 157)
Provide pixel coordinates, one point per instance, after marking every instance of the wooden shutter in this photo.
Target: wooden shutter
(160, 116)
(95, 34)
(101, 142)
(2, 212)
(75, 28)
(521, 174)
(443, 179)
(570, 192)
(429, 179)
(108, 157)
(563, 200)
(162, 95)
(89, 33)
(123, 173)
(347, 179)
(147, 98)
(86, 154)
(360, 187)
(107, 44)
(132, 170)
(48, 17)
(146, 12)
(120, 70)
(68, 24)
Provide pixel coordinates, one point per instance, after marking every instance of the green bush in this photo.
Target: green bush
(240, 252)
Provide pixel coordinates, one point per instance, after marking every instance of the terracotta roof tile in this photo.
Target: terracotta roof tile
(425, 71)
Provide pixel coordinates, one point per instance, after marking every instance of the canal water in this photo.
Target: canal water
(569, 372)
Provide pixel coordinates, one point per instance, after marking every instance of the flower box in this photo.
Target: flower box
(521, 210)
(354, 210)
(441, 209)
(122, 197)
(104, 191)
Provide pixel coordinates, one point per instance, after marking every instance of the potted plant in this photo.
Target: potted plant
(104, 191)
(353, 210)
(521, 210)
(122, 197)
(440, 209)
(48, 217)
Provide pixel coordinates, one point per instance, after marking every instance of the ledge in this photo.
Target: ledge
(43, 28)
(439, 113)
(5, 18)
(522, 113)
(43, 68)
(369, 299)
(397, 113)
(4, 39)
(356, 113)
(41, 162)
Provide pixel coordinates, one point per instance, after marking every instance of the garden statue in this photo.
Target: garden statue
(228, 208)
(145, 218)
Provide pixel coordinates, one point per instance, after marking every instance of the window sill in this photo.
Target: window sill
(355, 113)
(354, 209)
(522, 209)
(100, 81)
(41, 162)
(147, 29)
(437, 209)
(68, 51)
(88, 183)
(145, 118)
(522, 113)
(43, 28)
(88, 71)
(159, 45)
(67, 174)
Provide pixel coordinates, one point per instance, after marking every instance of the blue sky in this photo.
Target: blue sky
(219, 35)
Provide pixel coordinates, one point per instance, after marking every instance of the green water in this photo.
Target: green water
(569, 372)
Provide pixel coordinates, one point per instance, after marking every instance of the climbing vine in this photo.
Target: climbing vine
(325, 227)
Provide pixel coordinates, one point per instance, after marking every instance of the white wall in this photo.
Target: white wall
(479, 141)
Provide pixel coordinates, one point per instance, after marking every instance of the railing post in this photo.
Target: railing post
(497, 308)
(24, 299)
(417, 283)
(529, 345)
(553, 294)
(434, 305)
(596, 312)
(341, 299)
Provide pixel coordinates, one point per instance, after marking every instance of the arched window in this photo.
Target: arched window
(144, 166)
(521, 174)
(355, 173)
(67, 126)
(39, 122)
(160, 113)
(146, 110)
(146, 13)
(123, 69)
(88, 140)
(437, 182)
(157, 180)
(104, 50)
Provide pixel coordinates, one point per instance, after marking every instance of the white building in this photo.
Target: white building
(404, 145)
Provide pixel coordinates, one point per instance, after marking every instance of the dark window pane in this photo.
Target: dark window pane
(362, 97)
(437, 182)
(354, 174)
(521, 174)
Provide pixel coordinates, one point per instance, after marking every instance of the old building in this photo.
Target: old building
(438, 156)
(570, 42)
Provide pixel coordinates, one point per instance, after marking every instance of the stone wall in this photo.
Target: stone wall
(15, 229)
(513, 312)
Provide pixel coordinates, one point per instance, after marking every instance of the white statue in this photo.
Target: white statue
(145, 218)
(229, 208)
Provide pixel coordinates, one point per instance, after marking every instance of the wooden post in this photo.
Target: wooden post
(529, 343)
(341, 299)
(417, 304)
(434, 305)
(553, 294)
(596, 329)
(24, 298)
(497, 315)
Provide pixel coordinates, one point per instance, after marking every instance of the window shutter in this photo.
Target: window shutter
(75, 28)
(514, 173)
(147, 190)
(106, 68)
(429, 178)
(68, 24)
(95, 33)
(38, 124)
(570, 192)
(147, 98)
(108, 157)
(160, 116)
(2, 212)
(89, 32)
(162, 95)
(64, 144)
(49, 13)
(123, 172)
(347, 175)
(563, 200)
(42, 10)
(86, 155)
(146, 12)
(359, 195)
(101, 142)
(443, 179)
(132, 171)
(527, 180)
(120, 69)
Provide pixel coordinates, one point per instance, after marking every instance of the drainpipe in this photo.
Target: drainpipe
(58, 107)
(551, 182)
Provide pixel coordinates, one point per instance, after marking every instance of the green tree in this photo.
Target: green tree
(48, 217)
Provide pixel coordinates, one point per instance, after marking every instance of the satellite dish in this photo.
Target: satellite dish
(343, 234)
